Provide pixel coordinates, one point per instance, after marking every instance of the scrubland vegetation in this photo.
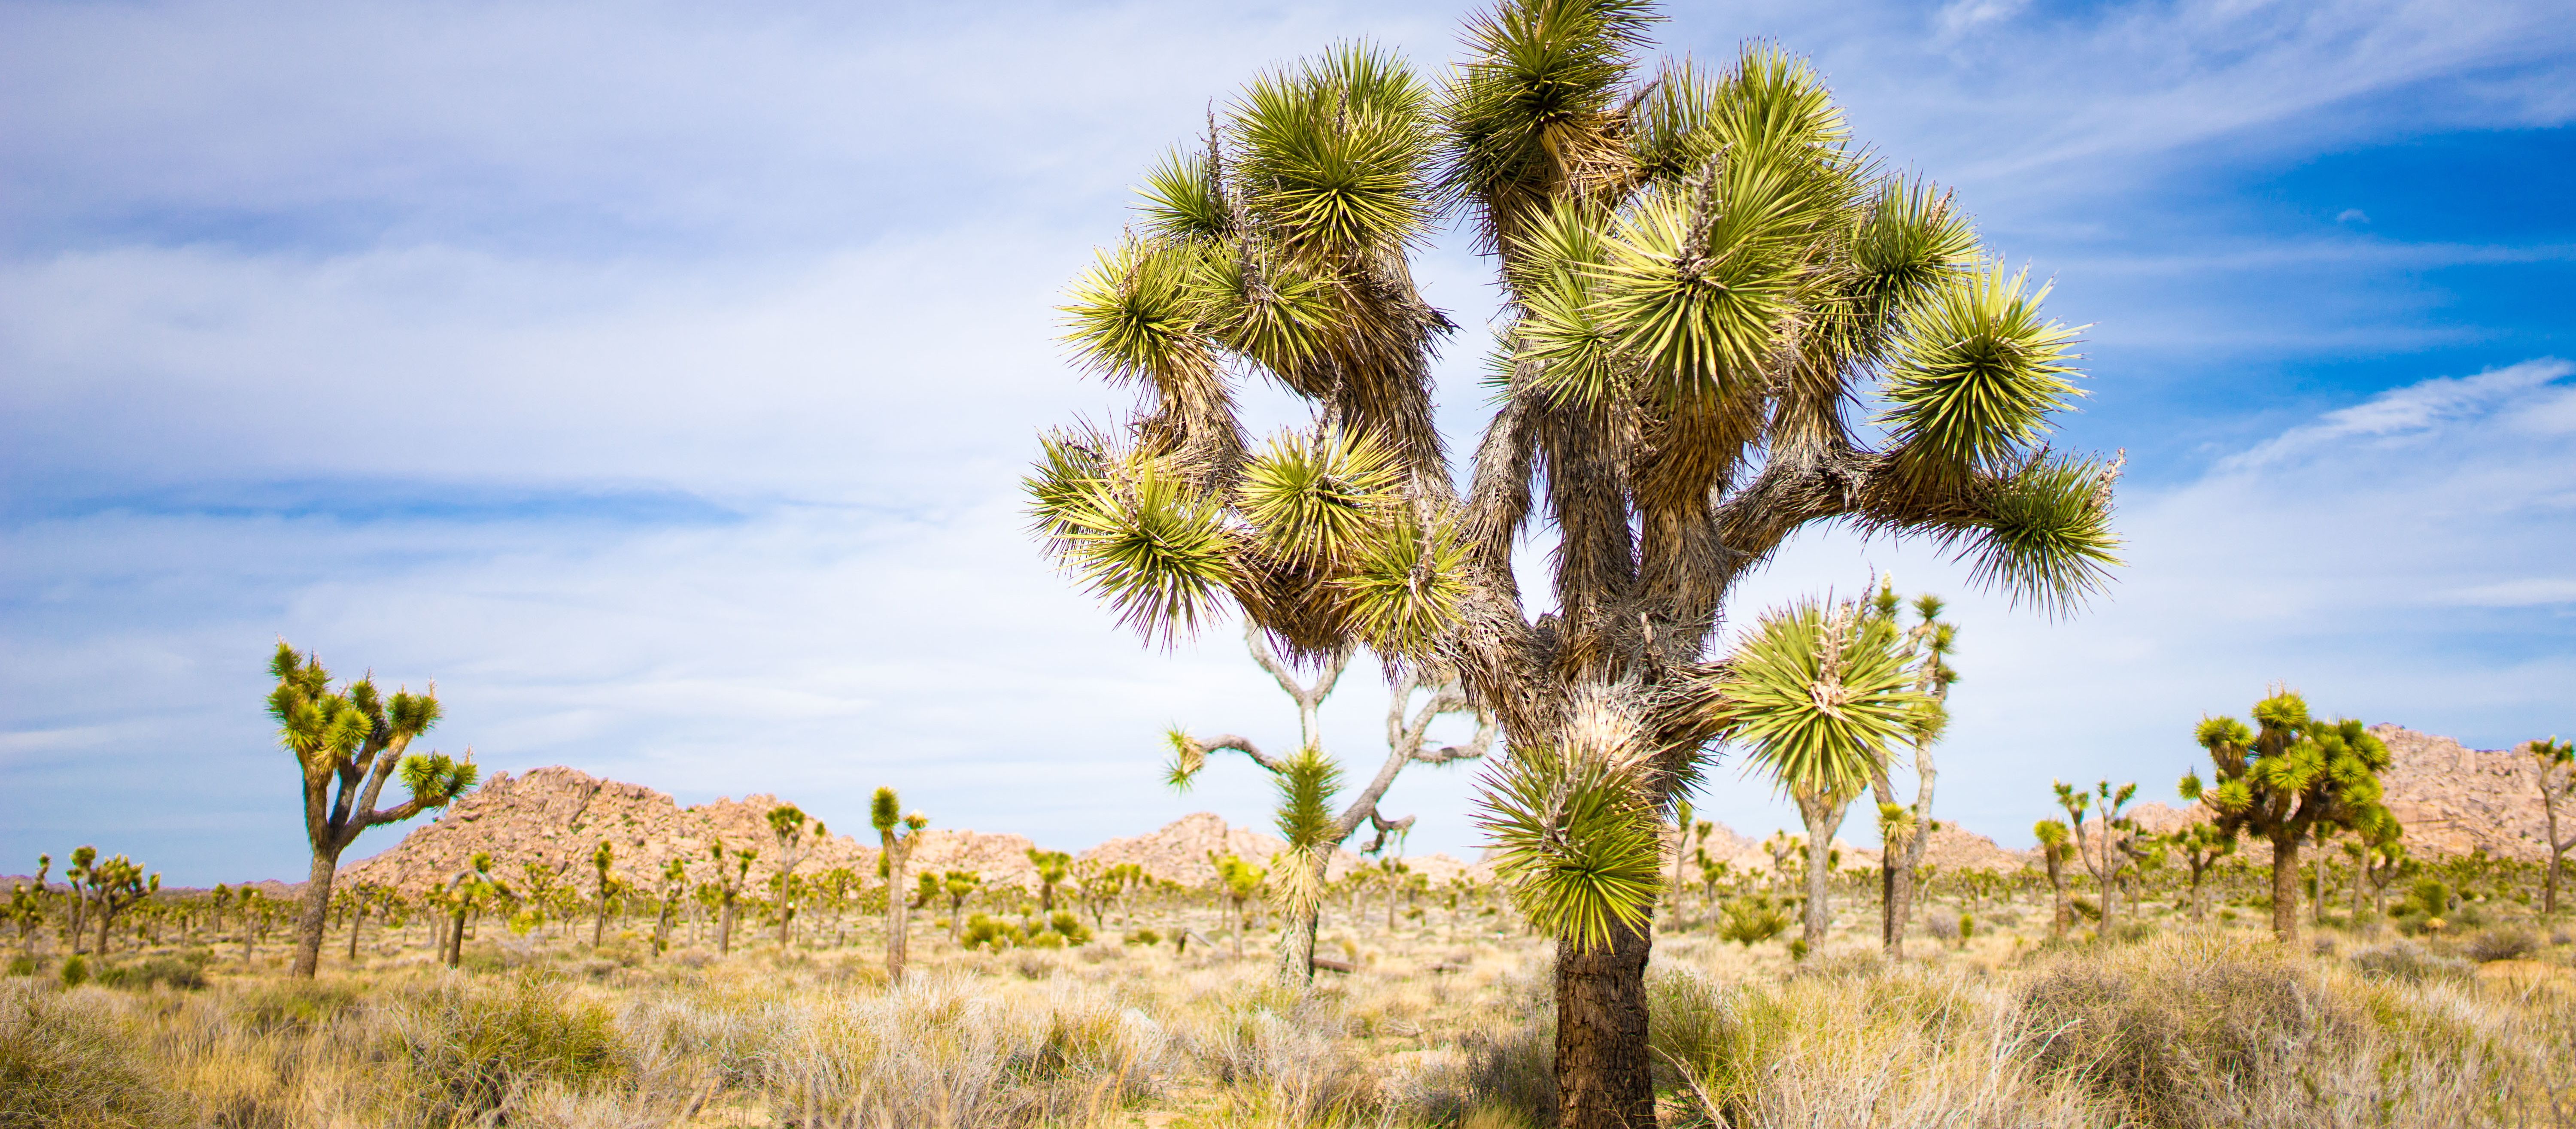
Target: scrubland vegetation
(1447, 1021)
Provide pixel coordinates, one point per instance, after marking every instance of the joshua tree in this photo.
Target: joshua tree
(1238, 881)
(675, 886)
(728, 886)
(26, 908)
(468, 890)
(116, 885)
(1904, 832)
(896, 833)
(1312, 843)
(601, 858)
(2285, 779)
(349, 742)
(2106, 858)
(2053, 843)
(1700, 271)
(1816, 694)
(2201, 845)
(1052, 866)
(788, 826)
(362, 897)
(956, 886)
(77, 878)
(2385, 863)
(2554, 762)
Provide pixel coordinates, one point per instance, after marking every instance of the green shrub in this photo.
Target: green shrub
(64, 1061)
(75, 971)
(1143, 937)
(1070, 928)
(985, 932)
(141, 976)
(1967, 927)
(23, 965)
(1751, 920)
(472, 1048)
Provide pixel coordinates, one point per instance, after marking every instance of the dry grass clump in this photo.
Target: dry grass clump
(474, 1050)
(1860, 1045)
(66, 1062)
(2198, 1030)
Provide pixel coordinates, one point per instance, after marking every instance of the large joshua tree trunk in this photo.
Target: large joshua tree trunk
(1601, 1049)
(2285, 886)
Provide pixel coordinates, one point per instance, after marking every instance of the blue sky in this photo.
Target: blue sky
(657, 377)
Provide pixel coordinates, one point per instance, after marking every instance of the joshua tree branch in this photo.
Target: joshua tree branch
(1244, 746)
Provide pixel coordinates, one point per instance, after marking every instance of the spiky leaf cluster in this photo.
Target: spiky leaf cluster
(1817, 694)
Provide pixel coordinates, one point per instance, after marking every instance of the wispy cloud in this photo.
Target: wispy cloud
(2411, 411)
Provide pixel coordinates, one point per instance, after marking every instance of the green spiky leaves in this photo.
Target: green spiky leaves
(2290, 771)
(1159, 553)
(1977, 374)
(1404, 585)
(1334, 151)
(1576, 839)
(1818, 693)
(1316, 498)
(434, 779)
(2045, 536)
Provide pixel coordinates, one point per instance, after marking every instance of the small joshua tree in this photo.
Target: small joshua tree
(468, 891)
(956, 886)
(601, 858)
(2283, 780)
(349, 742)
(789, 826)
(2053, 844)
(675, 886)
(77, 877)
(1052, 866)
(2201, 845)
(896, 833)
(730, 873)
(27, 906)
(1238, 881)
(2111, 854)
(2555, 762)
(1905, 832)
(1312, 844)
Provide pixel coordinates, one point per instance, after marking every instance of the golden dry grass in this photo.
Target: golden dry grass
(1440, 1027)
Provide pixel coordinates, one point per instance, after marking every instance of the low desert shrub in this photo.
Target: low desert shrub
(2187, 1034)
(2506, 942)
(143, 975)
(66, 1062)
(473, 1049)
(2410, 962)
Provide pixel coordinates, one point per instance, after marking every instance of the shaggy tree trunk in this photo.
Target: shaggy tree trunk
(2285, 887)
(357, 919)
(2065, 916)
(1297, 934)
(1823, 816)
(315, 914)
(896, 912)
(1603, 1080)
(724, 929)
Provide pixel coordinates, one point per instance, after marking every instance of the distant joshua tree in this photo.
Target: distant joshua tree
(2285, 779)
(895, 833)
(2201, 846)
(790, 827)
(1906, 831)
(728, 887)
(1817, 694)
(2555, 761)
(349, 742)
(1308, 783)
(1052, 867)
(118, 884)
(675, 886)
(2053, 843)
(26, 909)
(2112, 854)
(604, 886)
